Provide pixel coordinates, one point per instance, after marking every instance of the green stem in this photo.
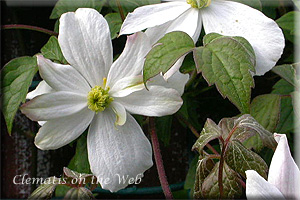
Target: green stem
(28, 27)
(159, 162)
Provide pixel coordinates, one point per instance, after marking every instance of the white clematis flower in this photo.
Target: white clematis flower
(283, 179)
(220, 16)
(94, 92)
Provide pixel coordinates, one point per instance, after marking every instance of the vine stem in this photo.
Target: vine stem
(158, 160)
(121, 10)
(28, 27)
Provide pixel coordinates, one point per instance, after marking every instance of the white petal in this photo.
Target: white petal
(158, 101)
(152, 15)
(175, 68)
(85, 41)
(41, 123)
(283, 172)
(120, 113)
(59, 132)
(236, 19)
(177, 81)
(188, 22)
(127, 85)
(116, 152)
(62, 77)
(258, 188)
(41, 88)
(54, 105)
(131, 61)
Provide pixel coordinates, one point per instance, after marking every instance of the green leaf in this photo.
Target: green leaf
(52, 51)
(61, 190)
(204, 167)
(163, 128)
(79, 193)
(253, 3)
(80, 162)
(166, 52)
(115, 22)
(266, 109)
(227, 62)
(63, 6)
(246, 127)
(287, 72)
(190, 177)
(240, 159)
(16, 78)
(286, 122)
(130, 5)
(45, 191)
(287, 21)
(231, 184)
(210, 132)
(188, 64)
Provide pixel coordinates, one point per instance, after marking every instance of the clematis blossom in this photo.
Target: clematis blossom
(283, 179)
(219, 16)
(96, 93)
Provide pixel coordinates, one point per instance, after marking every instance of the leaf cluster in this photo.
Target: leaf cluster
(234, 158)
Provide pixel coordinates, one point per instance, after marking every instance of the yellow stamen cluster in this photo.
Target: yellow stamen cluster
(199, 3)
(98, 99)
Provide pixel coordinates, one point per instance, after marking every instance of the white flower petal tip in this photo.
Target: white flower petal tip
(130, 62)
(118, 156)
(151, 15)
(85, 41)
(284, 172)
(42, 88)
(236, 19)
(55, 134)
(258, 188)
(156, 102)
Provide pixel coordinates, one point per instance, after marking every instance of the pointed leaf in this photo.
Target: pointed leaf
(245, 127)
(52, 51)
(227, 62)
(286, 122)
(287, 72)
(80, 162)
(231, 185)
(240, 159)
(190, 177)
(16, 78)
(266, 109)
(287, 21)
(210, 132)
(114, 22)
(166, 52)
(45, 191)
(204, 167)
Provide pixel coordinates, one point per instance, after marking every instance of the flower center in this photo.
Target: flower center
(98, 98)
(199, 3)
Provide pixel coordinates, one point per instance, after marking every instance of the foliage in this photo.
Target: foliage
(234, 158)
